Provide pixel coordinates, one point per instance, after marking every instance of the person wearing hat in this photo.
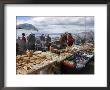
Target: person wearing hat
(23, 41)
(23, 37)
(70, 39)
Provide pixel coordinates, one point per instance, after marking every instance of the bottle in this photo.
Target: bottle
(50, 48)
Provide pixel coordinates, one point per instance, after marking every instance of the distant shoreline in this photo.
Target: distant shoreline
(28, 32)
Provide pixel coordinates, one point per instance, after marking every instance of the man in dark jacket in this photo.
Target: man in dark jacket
(31, 42)
(48, 41)
(42, 38)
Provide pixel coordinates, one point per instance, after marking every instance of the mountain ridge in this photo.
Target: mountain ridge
(26, 26)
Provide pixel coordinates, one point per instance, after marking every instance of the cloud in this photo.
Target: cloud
(90, 21)
(60, 23)
(59, 20)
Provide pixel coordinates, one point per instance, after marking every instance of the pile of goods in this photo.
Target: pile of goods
(29, 53)
(26, 63)
(83, 59)
(80, 59)
(56, 51)
(87, 47)
(60, 54)
(69, 64)
(66, 50)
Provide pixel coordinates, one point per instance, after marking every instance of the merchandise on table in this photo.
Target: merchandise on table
(25, 63)
(80, 58)
(76, 57)
(68, 63)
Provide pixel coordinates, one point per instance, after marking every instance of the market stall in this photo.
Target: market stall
(75, 57)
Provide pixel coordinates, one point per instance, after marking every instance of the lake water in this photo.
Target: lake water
(38, 33)
(27, 32)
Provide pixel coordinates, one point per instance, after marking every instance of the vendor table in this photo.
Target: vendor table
(46, 64)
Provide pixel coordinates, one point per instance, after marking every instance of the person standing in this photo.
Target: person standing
(23, 37)
(63, 41)
(42, 38)
(23, 41)
(48, 41)
(70, 39)
(65, 37)
(31, 42)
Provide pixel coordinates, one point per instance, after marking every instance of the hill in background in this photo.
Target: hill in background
(26, 26)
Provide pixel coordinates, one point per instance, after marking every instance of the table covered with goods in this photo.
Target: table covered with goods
(75, 57)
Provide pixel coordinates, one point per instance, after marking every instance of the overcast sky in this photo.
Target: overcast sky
(59, 24)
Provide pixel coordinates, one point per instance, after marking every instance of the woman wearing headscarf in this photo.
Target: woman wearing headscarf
(70, 39)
